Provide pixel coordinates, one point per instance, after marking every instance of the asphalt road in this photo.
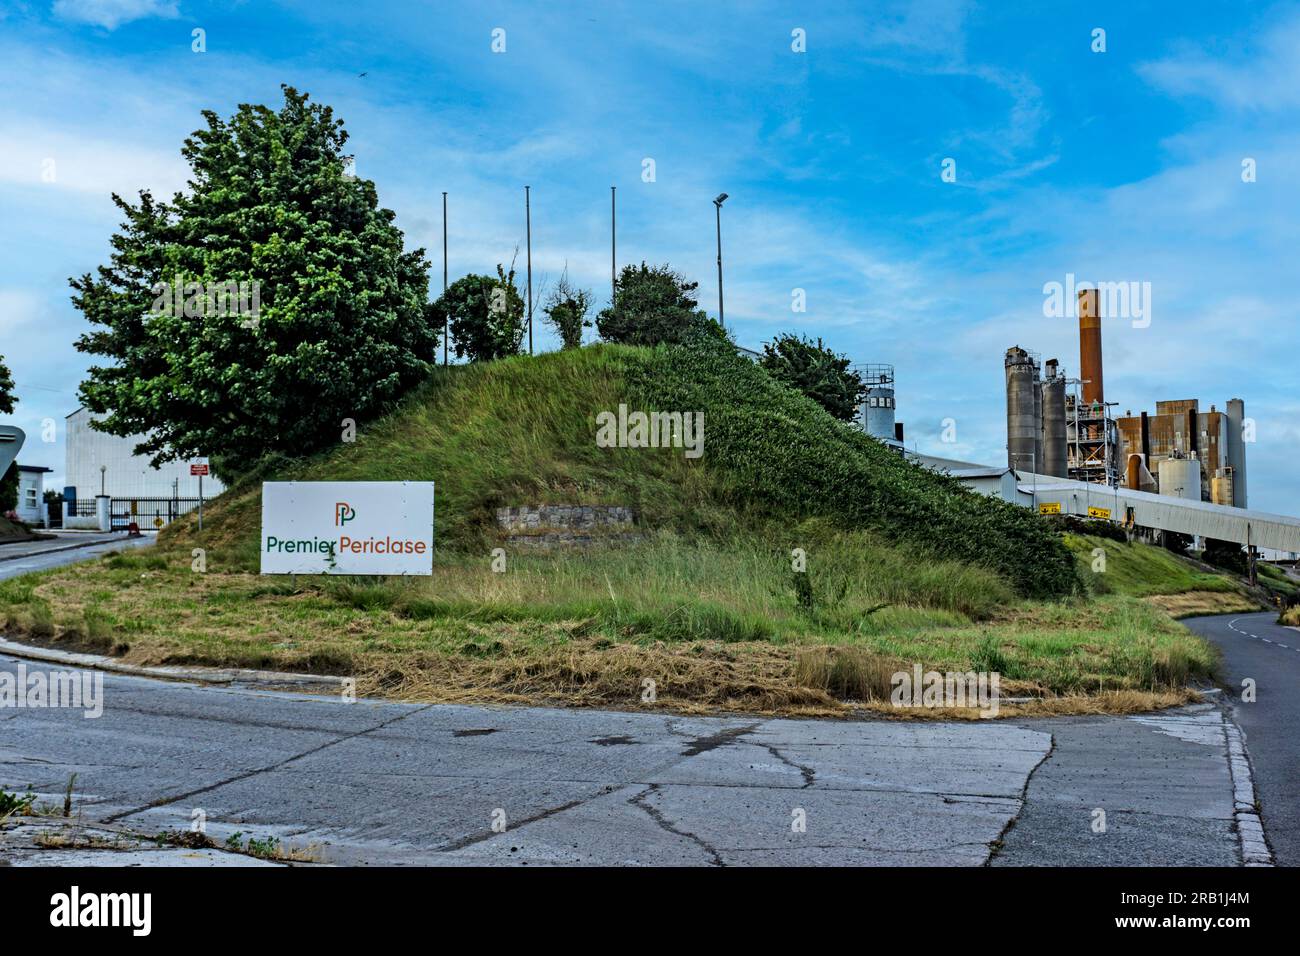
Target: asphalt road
(1255, 647)
(381, 782)
(377, 782)
(28, 556)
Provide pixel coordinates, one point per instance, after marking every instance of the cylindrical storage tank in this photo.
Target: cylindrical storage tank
(1054, 440)
(1181, 478)
(1038, 417)
(878, 411)
(1022, 420)
(1236, 453)
(1221, 488)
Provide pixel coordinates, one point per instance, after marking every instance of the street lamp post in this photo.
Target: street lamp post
(528, 226)
(717, 204)
(446, 317)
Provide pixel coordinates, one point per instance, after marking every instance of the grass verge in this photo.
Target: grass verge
(691, 625)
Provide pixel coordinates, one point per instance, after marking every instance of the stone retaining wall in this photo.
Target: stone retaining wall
(559, 526)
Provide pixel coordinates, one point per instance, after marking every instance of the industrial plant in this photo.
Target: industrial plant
(1063, 428)
(1178, 470)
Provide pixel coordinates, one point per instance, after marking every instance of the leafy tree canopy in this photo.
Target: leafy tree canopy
(262, 306)
(9, 480)
(566, 311)
(652, 305)
(485, 315)
(815, 370)
(7, 398)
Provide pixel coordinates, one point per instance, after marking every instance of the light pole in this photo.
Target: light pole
(103, 470)
(613, 244)
(446, 317)
(528, 227)
(717, 204)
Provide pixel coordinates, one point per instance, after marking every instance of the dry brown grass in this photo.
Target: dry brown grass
(1192, 603)
(463, 642)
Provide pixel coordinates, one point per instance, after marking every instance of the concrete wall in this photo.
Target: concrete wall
(101, 520)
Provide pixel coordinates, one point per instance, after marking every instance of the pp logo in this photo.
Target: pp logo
(343, 513)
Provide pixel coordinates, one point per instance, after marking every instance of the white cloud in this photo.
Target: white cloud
(1263, 79)
(42, 156)
(110, 14)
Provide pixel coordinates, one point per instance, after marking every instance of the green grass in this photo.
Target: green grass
(1275, 580)
(1140, 570)
(903, 566)
(522, 431)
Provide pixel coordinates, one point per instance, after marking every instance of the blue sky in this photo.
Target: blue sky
(1117, 166)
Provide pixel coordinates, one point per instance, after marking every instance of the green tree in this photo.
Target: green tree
(9, 480)
(654, 304)
(566, 311)
(815, 370)
(1228, 555)
(332, 319)
(7, 398)
(485, 315)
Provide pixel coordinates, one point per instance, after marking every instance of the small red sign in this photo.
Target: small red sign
(198, 469)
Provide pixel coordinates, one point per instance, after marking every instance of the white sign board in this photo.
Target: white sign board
(347, 527)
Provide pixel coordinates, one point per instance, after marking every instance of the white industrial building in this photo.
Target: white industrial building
(100, 463)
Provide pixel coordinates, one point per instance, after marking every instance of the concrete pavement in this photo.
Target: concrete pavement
(378, 782)
(1256, 648)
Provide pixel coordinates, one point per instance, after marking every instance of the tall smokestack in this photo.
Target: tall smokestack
(1090, 347)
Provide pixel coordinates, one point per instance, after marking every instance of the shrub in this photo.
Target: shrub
(654, 305)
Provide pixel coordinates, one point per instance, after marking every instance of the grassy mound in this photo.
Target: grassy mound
(522, 431)
(903, 566)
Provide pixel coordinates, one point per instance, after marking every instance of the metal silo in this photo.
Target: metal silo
(877, 409)
(1023, 421)
(1221, 487)
(1055, 460)
(1236, 413)
(1181, 478)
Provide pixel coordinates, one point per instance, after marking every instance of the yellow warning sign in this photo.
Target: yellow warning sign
(158, 522)
(1049, 507)
(1099, 513)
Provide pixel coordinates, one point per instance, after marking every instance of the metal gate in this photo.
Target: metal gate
(149, 514)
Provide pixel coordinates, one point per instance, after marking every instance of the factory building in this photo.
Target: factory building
(1200, 451)
(1063, 428)
(98, 463)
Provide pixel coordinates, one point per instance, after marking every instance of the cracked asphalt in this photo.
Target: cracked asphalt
(388, 783)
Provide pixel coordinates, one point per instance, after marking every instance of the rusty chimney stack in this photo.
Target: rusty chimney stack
(1090, 347)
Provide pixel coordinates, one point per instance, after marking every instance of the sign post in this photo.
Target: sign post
(200, 470)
